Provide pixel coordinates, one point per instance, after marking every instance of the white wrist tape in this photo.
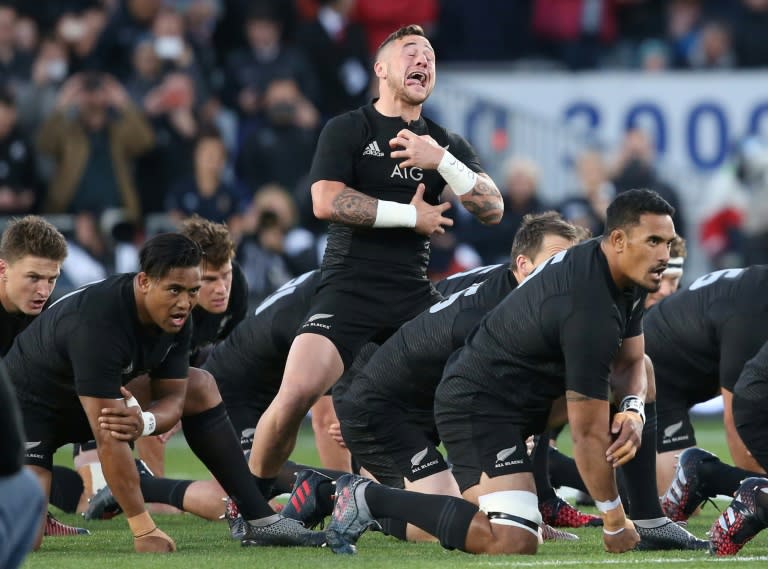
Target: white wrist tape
(457, 174)
(132, 402)
(633, 403)
(393, 214)
(150, 424)
(608, 505)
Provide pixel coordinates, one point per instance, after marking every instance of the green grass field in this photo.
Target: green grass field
(207, 544)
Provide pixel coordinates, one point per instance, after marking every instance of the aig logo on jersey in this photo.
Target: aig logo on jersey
(506, 457)
(318, 321)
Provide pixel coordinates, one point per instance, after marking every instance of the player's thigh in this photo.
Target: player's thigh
(752, 425)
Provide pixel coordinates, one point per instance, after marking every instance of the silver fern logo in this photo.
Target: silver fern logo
(672, 429)
(504, 454)
(319, 317)
(419, 456)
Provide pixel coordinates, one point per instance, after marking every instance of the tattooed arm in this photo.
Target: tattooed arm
(334, 201)
(484, 200)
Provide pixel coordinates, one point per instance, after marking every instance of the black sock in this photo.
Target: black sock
(446, 517)
(266, 486)
(66, 489)
(540, 459)
(640, 473)
(164, 490)
(393, 527)
(563, 471)
(720, 478)
(212, 438)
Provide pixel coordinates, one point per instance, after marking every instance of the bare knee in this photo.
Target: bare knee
(202, 392)
(497, 539)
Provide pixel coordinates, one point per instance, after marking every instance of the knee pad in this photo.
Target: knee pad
(512, 508)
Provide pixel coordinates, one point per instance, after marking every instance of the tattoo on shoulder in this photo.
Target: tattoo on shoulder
(575, 396)
(353, 208)
(484, 202)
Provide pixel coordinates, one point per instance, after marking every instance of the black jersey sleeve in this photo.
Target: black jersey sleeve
(175, 365)
(589, 340)
(464, 151)
(98, 355)
(335, 152)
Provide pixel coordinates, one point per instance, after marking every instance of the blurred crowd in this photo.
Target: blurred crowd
(122, 117)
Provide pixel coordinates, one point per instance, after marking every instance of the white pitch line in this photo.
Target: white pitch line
(543, 563)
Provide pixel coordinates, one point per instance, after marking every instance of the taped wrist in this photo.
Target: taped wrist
(150, 424)
(393, 214)
(634, 404)
(456, 174)
(141, 525)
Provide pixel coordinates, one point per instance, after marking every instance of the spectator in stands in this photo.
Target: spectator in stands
(337, 50)
(171, 108)
(273, 250)
(26, 35)
(36, 99)
(200, 18)
(173, 50)
(131, 21)
(587, 208)
(520, 193)
(80, 32)
(380, 18)
(636, 168)
(750, 22)
(580, 32)
(291, 122)
(147, 72)
(19, 187)
(684, 19)
(15, 65)
(94, 136)
(205, 192)
(713, 49)
(266, 57)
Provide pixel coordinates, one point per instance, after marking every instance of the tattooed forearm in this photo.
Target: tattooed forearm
(484, 201)
(353, 208)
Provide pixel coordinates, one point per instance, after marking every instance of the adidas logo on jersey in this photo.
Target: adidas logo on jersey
(373, 150)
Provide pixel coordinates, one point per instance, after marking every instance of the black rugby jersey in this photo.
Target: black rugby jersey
(255, 351)
(353, 148)
(753, 381)
(409, 365)
(460, 281)
(702, 336)
(90, 342)
(208, 328)
(559, 329)
(11, 324)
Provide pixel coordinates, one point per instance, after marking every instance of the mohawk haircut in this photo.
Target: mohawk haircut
(213, 238)
(535, 227)
(409, 30)
(32, 235)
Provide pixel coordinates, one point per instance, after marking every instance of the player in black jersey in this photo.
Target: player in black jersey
(222, 302)
(31, 254)
(386, 409)
(573, 328)
(377, 176)
(699, 340)
(71, 365)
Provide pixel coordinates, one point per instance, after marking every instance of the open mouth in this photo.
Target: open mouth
(658, 272)
(178, 319)
(416, 78)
